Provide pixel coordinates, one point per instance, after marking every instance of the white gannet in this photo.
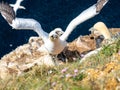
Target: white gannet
(53, 42)
(17, 6)
(108, 38)
(103, 30)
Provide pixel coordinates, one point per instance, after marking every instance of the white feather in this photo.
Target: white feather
(85, 15)
(30, 24)
(17, 6)
(82, 17)
(53, 47)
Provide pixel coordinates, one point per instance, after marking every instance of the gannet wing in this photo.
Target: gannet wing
(21, 23)
(85, 15)
(30, 24)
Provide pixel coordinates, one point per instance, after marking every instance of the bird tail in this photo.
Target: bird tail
(7, 12)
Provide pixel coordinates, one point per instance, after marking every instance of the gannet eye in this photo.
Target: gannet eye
(53, 37)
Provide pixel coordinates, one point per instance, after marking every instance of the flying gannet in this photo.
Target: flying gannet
(53, 42)
(17, 6)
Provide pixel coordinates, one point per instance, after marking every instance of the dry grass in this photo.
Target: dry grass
(101, 71)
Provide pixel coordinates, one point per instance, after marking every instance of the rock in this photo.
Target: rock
(79, 46)
(113, 32)
(26, 56)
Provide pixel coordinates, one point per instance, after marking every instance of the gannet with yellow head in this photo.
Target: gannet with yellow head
(108, 38)
(102, 29)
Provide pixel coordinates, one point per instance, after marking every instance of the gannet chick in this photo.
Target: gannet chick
(54, 42)
(17, 6)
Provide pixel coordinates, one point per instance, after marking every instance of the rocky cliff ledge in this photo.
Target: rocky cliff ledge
(26, 56)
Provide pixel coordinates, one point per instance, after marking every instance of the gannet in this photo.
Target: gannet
(108, 37)
(53, 42)
(102, 28)
(17, 6)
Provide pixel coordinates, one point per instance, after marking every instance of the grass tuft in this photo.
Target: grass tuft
(99, 72)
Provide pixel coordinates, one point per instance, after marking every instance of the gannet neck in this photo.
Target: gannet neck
(55, 47)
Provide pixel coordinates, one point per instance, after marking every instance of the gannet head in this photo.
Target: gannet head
(55, 34)
(101, 28)
(58, 31)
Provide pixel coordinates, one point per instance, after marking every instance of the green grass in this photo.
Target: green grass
(53, 78)
(104, 56)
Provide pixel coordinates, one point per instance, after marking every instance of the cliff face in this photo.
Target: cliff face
(26, 56)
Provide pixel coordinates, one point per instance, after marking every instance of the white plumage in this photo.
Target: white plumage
(17, 6)
(54, 42)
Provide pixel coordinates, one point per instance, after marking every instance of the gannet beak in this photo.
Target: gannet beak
(53, 37)
(92, 29)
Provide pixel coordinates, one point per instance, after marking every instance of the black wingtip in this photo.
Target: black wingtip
(100, 4)
(7, 12)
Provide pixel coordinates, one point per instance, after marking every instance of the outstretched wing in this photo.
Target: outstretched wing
(29, 24)
(21, 23)
(85, 15)
(7, 12)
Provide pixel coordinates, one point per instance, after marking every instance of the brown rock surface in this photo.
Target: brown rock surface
(26, 56)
